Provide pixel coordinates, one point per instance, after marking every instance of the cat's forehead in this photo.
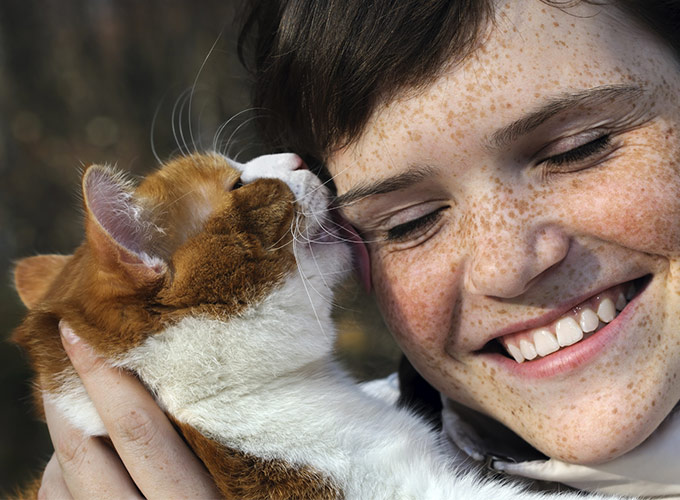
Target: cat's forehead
(187, 173)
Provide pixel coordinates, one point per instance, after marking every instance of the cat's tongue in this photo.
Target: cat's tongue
(362, 261)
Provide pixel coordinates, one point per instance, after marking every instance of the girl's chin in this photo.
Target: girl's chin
(590, 434)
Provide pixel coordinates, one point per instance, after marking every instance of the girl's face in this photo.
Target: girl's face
(528, 189)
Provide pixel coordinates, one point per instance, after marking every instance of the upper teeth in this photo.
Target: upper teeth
(569, 329)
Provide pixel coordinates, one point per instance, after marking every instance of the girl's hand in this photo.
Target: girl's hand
(148, 458)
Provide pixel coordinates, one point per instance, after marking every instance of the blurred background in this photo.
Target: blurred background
(112, 81)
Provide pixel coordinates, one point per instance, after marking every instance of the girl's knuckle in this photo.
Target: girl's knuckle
(136, 427)
(72, 450)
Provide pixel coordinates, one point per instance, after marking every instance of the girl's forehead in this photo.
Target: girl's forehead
(531, 55)
(533, 50)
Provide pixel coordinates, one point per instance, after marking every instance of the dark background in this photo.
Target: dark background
(81, 82)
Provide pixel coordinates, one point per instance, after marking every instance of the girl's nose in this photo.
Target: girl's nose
(506, 263)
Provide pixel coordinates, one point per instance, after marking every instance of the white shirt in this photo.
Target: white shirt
(651, 470)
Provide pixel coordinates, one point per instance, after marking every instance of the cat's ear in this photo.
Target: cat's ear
(118, 229)
(34, 275)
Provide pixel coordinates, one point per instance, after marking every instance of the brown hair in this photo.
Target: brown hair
(321, 67)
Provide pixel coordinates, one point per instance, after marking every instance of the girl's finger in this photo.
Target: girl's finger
(53, 486)
(159, 461)
(87, 467)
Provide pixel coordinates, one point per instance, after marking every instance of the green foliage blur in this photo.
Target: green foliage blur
(112, 81)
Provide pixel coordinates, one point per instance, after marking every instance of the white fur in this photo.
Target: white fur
(264, 382)
(73, 403)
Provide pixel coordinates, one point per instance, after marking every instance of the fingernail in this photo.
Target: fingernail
(68, 334)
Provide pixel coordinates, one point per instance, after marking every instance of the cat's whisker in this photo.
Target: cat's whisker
(327, 181)
(153, 128)
(300, 238)
(246, 143)
(193, 87)
(292, 230)
(200, 136)
(322, 275)
(176, 122)
(276, 246)
(304, 282)
(216, 139)
(236, 130)
(179, 198)
(216, 136)
(336, 236)
(185, 118)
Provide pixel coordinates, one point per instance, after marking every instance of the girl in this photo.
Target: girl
(513, 167)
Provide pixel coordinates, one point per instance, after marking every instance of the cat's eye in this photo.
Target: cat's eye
(237, 184)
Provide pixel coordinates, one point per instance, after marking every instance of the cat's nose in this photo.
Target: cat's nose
(299, 163)
(285, 161)
(294, 162)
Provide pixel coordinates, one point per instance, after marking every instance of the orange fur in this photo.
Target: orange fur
(34, 275)
(241, 475)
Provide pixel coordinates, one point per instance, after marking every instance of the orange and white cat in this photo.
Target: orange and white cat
(212, 282)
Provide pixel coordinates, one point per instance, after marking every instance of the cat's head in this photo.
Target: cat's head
(201, 236)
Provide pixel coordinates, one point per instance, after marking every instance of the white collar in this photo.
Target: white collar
(652, 469)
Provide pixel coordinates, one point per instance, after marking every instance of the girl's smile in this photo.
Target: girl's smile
(522, 218)
(575, 338)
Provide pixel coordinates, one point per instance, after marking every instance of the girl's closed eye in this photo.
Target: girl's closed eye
(578, 153)
(415, 228)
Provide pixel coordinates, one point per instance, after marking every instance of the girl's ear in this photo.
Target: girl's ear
(34, 275)
(118, 229)
(362, 261)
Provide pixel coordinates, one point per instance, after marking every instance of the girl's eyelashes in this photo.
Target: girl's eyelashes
(578, 154)
(415, 227)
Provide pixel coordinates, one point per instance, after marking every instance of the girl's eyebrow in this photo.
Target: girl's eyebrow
(414, 174)
(587, 98)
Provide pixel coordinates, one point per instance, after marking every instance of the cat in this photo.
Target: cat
(212, 281)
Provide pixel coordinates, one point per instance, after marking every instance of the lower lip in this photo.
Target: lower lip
(573, 357)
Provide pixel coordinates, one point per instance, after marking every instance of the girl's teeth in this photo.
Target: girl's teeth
(545, 342)
(588, 321)
(606, 311)
(528, 349)
(515, 353)
(568, 331)
(621, 302)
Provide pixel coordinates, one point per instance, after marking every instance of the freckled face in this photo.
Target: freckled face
(528, 183)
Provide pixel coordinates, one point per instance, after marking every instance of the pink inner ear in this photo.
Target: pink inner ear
(110, 202)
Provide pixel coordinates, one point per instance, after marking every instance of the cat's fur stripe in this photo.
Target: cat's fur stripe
(248, 473)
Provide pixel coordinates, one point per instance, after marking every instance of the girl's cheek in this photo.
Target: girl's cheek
(417, 292)
(633, 201)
